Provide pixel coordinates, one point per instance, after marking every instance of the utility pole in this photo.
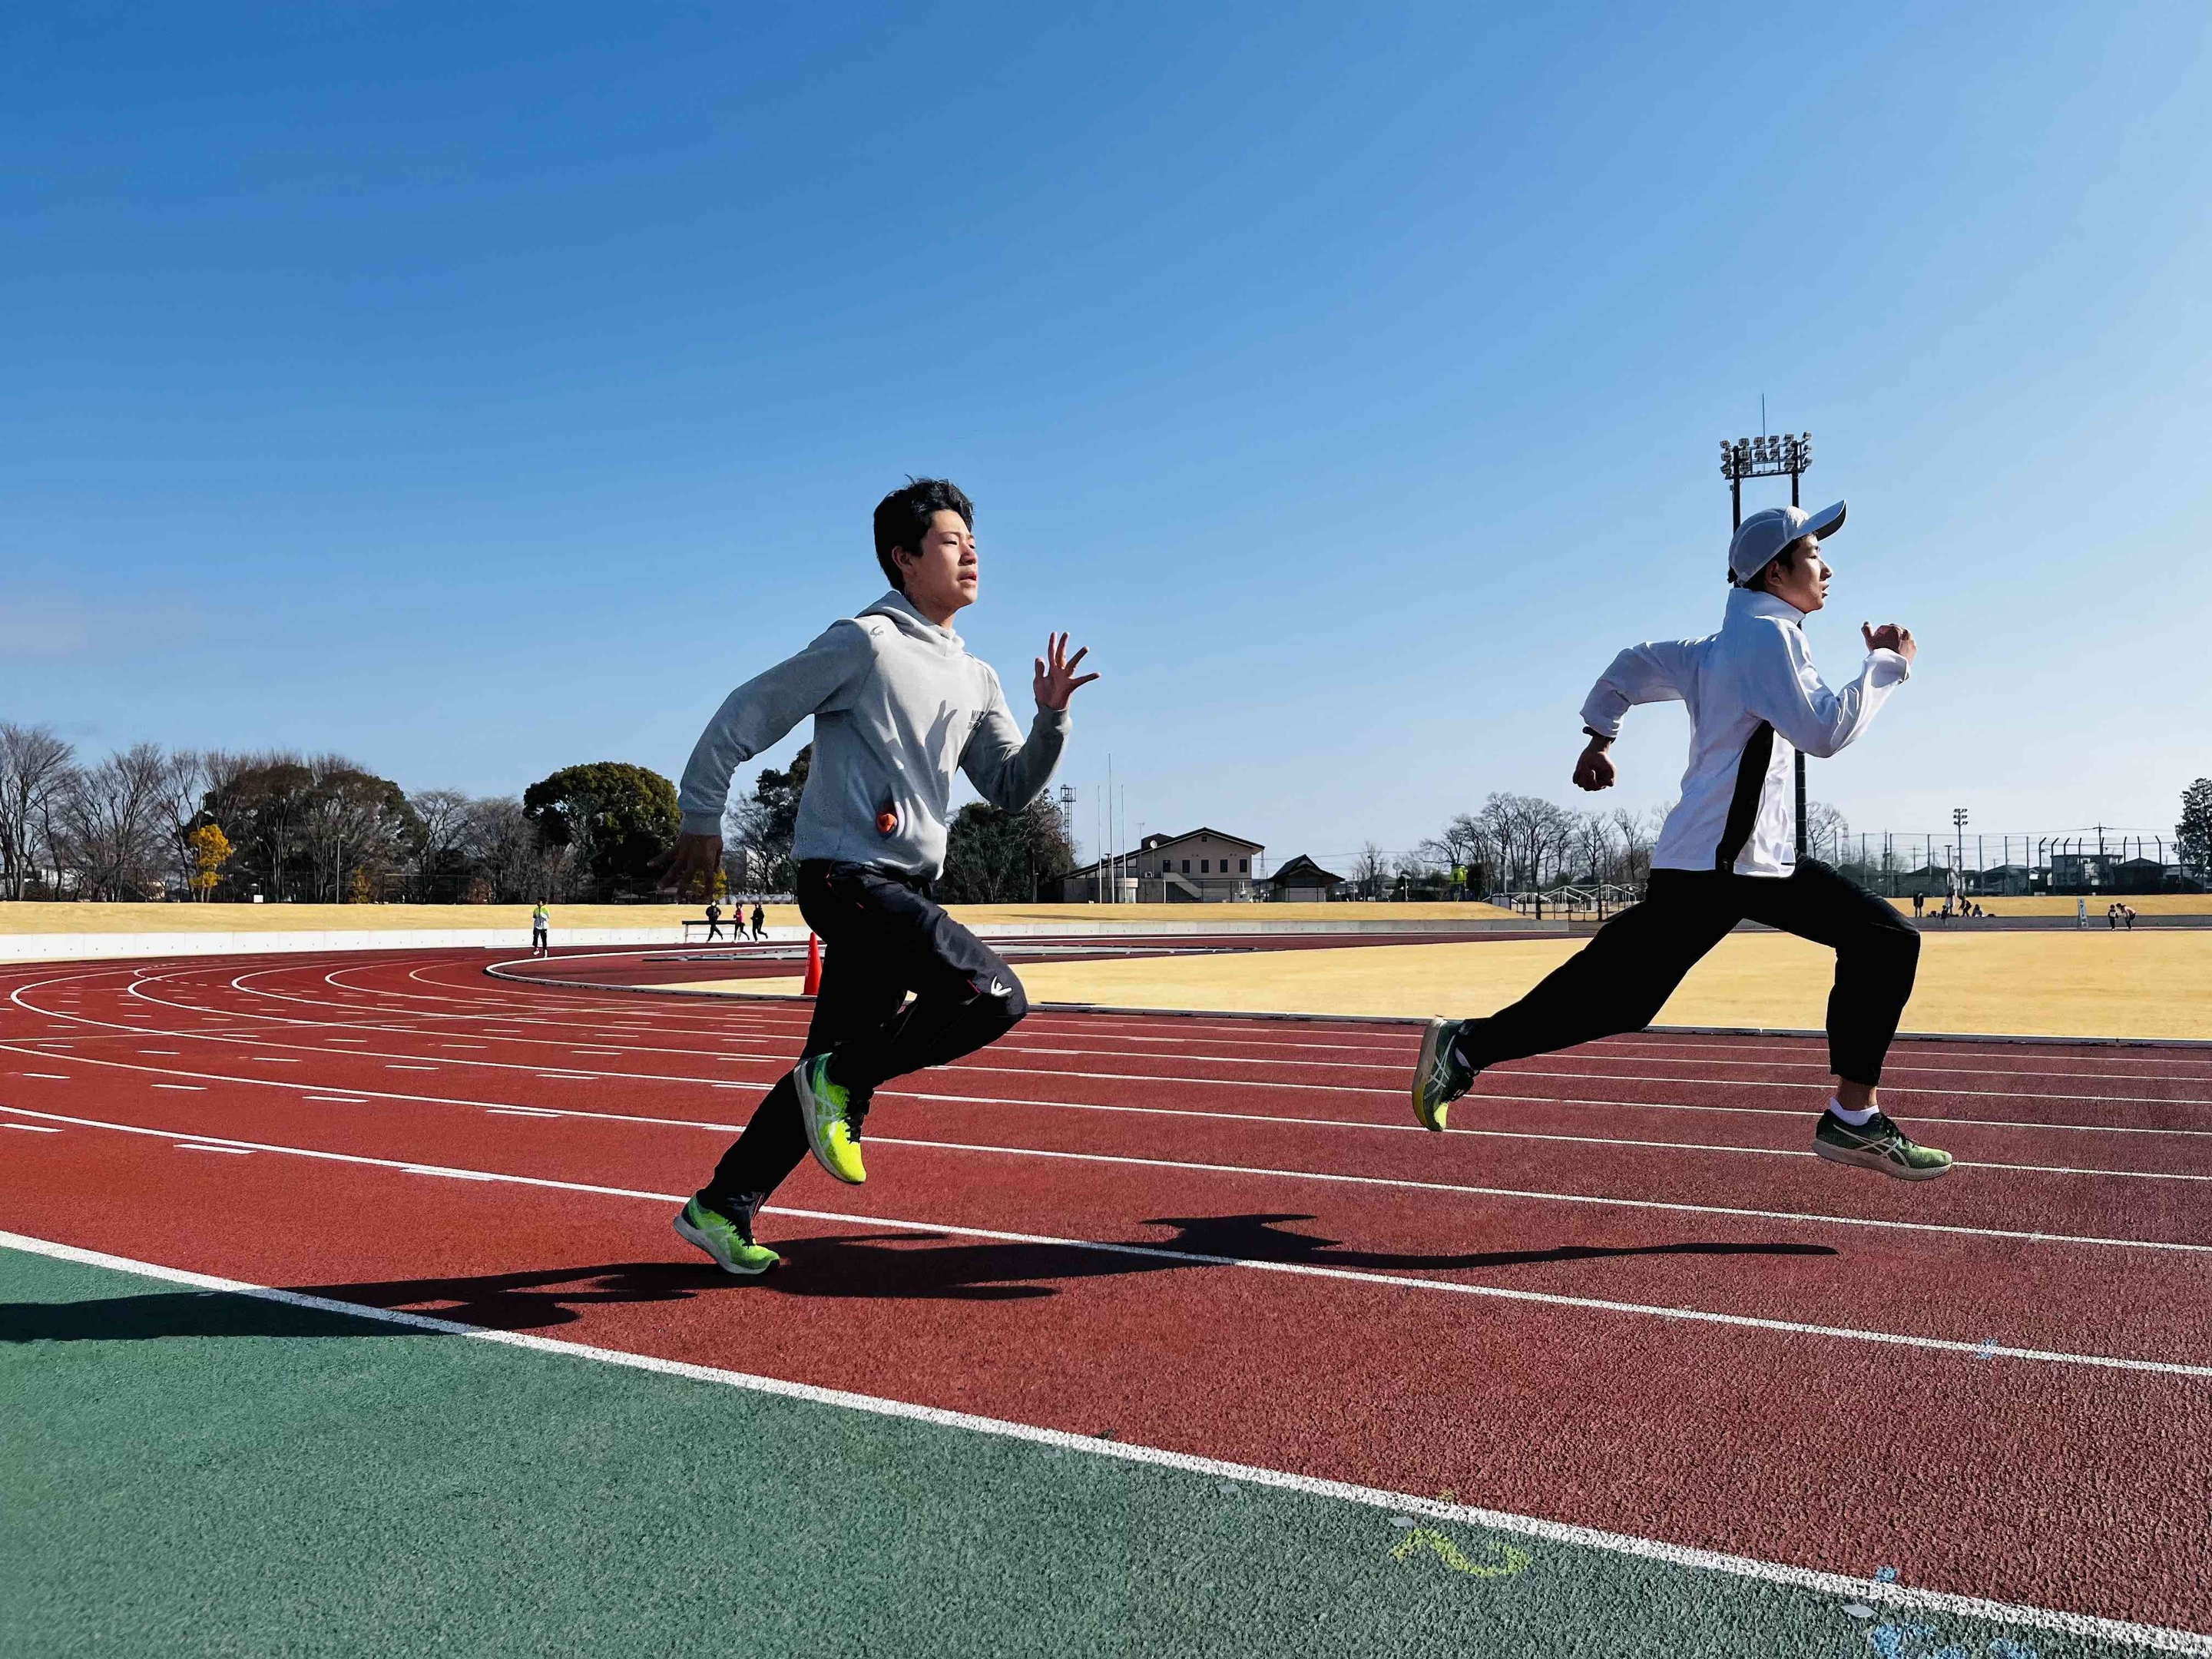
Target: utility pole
(1766, 457)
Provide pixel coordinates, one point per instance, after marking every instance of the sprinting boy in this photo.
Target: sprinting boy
(1728, 849)
(899, 706)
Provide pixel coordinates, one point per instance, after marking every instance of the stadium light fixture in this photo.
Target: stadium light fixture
(1765, 457)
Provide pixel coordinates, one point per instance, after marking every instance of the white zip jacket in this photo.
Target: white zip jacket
(1757, 700)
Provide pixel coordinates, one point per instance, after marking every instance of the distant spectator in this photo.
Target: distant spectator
(1919, 905)
(541, 924)
(2127, 916)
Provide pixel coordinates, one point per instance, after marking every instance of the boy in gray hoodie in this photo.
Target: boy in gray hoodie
(898, 707)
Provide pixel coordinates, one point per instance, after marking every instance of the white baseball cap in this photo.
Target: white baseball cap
(1765, 534)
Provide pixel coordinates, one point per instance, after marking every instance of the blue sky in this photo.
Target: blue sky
(476, 390)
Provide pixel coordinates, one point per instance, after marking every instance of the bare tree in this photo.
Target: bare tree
(1826, 829)
(1368, 869)
(1635, 836)
(35, 765)
(183, 789)
(111, 828)
(442, 816)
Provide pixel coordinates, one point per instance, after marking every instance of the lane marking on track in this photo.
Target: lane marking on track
(1294, 1174)
(682, 1078)
(520, 1111)
(35, 1128)
(338, 1100)
(196, 1146)
(49, 1077)
(190, 1088)
(1154, 1252)
(335, 979)
(2158, 1637)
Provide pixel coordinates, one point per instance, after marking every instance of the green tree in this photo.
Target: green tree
(993, 857)
(618, 820)
(2194, 832)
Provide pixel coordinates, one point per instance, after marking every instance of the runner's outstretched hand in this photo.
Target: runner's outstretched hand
(1890, 637)
(1056, 678)
(692, 863)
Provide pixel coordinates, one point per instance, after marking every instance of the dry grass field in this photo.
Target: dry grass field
(2065, 984)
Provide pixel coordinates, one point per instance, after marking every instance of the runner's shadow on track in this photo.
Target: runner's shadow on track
(931, 1266)
(890, 1266)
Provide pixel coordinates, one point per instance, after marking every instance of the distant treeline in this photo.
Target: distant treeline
(147, 823)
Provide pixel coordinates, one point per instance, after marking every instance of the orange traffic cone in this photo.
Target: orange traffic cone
(813, 985)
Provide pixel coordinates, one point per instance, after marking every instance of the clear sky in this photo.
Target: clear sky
(477, 389)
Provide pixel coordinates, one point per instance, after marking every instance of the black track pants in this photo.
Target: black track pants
(1619, 981)
(882, 937)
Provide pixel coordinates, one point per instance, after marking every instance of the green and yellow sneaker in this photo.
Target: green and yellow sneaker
(1441, 1075)
(730, 1243)
(833, 1127)
(1878, 1144)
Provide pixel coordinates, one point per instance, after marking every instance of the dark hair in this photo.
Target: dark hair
(903, 517)
(1790, 553)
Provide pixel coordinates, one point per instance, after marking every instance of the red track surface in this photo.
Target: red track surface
(1657, 1173)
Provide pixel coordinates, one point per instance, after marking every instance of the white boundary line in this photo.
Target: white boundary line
(1262, 1170)
(2156, 1638)
(1983, 1350)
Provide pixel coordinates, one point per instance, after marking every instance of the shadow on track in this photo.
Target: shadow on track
(893, 1265)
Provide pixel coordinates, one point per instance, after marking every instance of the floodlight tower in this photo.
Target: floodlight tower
(1769, 458)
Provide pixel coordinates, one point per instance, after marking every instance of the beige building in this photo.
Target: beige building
(1203, 867)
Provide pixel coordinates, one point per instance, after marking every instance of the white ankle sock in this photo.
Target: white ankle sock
(1857, 1119)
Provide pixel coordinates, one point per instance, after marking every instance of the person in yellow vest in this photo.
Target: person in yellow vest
(541, 920)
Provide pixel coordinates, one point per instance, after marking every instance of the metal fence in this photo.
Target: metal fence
(1934, 863)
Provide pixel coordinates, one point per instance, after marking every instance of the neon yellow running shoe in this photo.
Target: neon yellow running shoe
(728, 1241)
(832, 1128)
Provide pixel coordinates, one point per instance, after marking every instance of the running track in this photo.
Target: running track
(1629, 1299)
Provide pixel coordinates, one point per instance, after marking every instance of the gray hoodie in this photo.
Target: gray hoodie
(898, 706)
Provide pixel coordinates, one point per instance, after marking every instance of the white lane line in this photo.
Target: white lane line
(35, 1128)
(271, 1059)
(200, 1146)
(1262, 1170)
(2160, 1638)
(520, 1111)
(338, 1100)
(1301, 1269)
(51, 1077)
(1038, 1071)
(193, 1088)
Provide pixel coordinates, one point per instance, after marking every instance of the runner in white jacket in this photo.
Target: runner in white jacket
(1728, 852)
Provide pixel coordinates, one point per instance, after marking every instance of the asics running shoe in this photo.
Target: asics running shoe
(833, 1127)
(730, 1243)
(1878, 1144)
(1441, 1075)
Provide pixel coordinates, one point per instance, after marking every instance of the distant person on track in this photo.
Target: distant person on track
(1729, 850)
(1919, 905)
(899, 708)
(760, 923)
(713, 919)
(541, 921)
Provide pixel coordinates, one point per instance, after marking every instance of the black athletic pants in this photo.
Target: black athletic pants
(1619, 981)
(882, 936)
